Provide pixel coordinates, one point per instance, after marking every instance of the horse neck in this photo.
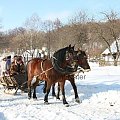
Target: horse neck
(46, 64)
(60, 55)
(64, 64)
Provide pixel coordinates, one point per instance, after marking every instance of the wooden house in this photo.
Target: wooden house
(106, 57)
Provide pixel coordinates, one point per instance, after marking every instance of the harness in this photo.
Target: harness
(67, 70)
(44, 71)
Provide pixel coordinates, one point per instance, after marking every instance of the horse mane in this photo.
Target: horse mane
(60, 55)
(58, 58)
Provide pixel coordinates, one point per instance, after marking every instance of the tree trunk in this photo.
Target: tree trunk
(115, 62)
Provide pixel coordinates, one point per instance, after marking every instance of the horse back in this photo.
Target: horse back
(44, 70)
(33, 67)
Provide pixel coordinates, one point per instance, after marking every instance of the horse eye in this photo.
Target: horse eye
(71, 53)
(78, 53)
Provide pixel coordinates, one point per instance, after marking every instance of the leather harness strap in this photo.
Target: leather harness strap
(44, 71)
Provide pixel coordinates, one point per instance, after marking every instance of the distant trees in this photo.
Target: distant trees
(4, 41)
(83, 32)
(79, 28)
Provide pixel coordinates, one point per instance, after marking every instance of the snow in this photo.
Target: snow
(98, 89)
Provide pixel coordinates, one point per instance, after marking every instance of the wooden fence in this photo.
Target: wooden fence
(107, 63)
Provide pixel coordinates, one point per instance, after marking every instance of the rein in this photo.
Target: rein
(43, 71)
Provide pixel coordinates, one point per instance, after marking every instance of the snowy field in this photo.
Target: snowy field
(98, 89)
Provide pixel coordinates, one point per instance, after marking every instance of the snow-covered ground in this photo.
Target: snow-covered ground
(98, 89)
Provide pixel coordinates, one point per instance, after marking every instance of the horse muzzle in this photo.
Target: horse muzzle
(84, 70)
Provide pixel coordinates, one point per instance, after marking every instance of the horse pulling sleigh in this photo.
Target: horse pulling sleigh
(61, 67)
(15, 78)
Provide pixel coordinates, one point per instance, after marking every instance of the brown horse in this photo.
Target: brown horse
(51, 71)
(82, 65)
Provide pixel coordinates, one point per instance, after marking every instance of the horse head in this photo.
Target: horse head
(63, 59)
(82, 60)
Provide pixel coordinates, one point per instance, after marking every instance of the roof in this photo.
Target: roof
(113, 47)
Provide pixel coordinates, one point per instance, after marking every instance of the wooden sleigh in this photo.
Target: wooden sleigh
(13, 83)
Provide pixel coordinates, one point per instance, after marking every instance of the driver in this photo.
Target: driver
(17, 67)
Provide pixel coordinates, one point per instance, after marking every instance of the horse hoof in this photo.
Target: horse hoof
(29, 98)
(35, 98)
(78, 100)
(66, 105)
(57, 97)
(46, 103)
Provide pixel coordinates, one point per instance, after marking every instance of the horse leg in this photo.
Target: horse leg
(29, 90)
(34, 93)
(44, 88)
(72, 81)
(53, 90)
(47, 92)
(63, 93)
(58, 92)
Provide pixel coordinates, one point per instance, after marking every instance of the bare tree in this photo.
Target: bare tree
(33, 26)
(79, 28)
(109, 31)
(33, 23)
(48, 27)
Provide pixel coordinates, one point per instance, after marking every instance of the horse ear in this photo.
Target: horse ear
(70, 46)
(79, 51)
(73, 47)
